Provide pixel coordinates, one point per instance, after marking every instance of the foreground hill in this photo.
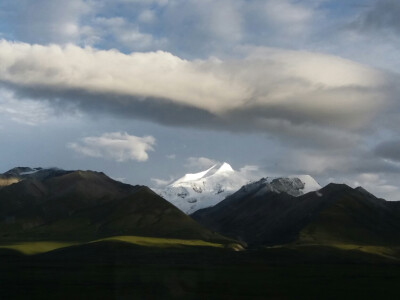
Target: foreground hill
(119, 270)
(334, 215)
(86, 205)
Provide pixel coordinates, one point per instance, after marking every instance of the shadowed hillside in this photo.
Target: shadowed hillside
(86, 205)
(336, 214)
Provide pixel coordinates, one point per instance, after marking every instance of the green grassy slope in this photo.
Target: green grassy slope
(39, 247)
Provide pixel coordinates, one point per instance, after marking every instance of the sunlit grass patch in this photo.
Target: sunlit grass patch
(31, 248)
(388, 252)
(160, 242)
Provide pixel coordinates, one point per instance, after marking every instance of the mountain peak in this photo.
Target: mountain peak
(310, 184)
(225, 167)
(204, 189)
(207, 188)
(192, 177)
(17, 171)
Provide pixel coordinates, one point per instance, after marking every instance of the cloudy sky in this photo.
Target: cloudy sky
(146, 90)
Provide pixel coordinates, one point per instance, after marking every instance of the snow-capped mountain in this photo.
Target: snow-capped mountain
(204, 189)
(292, 185)
(207, 188)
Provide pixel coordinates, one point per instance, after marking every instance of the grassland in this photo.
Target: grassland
(38, 247)
(131, 268)
(160, 242)
(32, 248)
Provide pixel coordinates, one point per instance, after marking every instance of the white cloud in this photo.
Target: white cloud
(161, 182)
(249, 168)
(269, 85)
(171, 156)
(118, 146)
(199, 163)
(378, 185)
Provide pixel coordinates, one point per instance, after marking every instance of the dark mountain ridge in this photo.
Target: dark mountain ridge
(49, 204)
(335, 214)
(87, 205)
(20, 173)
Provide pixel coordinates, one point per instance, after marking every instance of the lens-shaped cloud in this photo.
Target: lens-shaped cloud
(271, 90)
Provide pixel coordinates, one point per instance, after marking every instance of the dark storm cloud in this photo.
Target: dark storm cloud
(162, 111)
(353, 161)
(285, 126)
(389, 150)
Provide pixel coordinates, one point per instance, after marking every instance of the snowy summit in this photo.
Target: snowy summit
(195, 191)
(204, 189)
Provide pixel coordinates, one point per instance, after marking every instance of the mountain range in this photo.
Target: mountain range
(53, 204)
(209, 187)
(82, 235)
(334, 215)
